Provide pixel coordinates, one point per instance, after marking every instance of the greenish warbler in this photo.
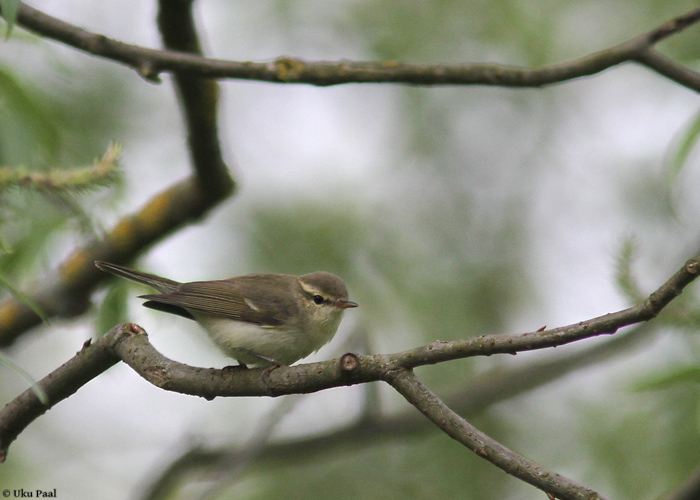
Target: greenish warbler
(257, 319)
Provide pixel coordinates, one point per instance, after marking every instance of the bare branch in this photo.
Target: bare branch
(670, 69)
(481, 393)
(132, 347)
(430, 405)
(149, 62)
(87, 364)
(199, 99)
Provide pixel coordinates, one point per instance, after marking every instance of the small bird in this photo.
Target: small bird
(261, 320)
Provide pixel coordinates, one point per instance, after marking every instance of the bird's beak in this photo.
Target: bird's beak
(345, 304)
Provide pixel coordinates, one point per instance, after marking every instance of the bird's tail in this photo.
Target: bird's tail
(163, 285)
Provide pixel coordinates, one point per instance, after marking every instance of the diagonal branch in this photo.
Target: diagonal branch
(150, 63)
(670, 69)
(429, 404)
(87, 364)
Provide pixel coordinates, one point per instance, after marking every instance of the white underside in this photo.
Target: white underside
(239, 339)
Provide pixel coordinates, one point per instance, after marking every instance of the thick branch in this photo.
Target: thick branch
(209, 383)
(199, 99)
(150, 63)
(482, 392)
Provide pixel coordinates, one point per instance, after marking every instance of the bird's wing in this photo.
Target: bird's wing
(226, 299)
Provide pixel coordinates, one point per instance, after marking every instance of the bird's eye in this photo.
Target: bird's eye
(318, 299)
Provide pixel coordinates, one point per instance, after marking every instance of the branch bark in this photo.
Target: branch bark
(150, 63)
(482, 392)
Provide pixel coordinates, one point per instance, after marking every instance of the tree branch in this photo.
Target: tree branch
(670, 69)
(199, 99)
(149, 62)
(130, 344)
(430, 405)
(481, 393)
(87, 364)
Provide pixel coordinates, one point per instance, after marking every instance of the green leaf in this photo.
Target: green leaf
(688, 141)
(4, 247)
(114, 307)
(29, 127)
(7, 362)
(10, 9)
(624, 276)
(24, 298)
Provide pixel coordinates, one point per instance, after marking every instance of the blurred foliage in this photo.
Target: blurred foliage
(624, 276)
(28, 128)
(416, 467)
(45, 131)
(446, 281)
(113, 308)
(447, 31)
(648, 444)
(679, 155)
(676, 376)
(10, 8)
(8, 363)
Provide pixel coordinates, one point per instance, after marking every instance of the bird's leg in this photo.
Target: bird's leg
(274, 364)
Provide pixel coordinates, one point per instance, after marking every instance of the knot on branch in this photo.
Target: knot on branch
(349, 362)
